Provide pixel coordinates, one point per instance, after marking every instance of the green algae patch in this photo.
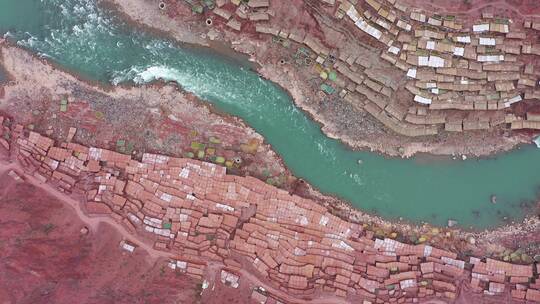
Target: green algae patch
(193, 133)
(197, 146)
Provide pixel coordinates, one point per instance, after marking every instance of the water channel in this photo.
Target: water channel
(97, 45)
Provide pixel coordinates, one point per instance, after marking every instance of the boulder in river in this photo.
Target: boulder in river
(452, 223)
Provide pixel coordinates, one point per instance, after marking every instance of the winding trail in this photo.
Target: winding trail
(91, 221)
(499, 4)
(213, 267)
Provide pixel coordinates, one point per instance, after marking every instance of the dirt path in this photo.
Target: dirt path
(91, 221)
(94, 221)
(498, 4)
(214, 267)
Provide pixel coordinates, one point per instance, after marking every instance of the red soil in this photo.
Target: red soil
(45, 259)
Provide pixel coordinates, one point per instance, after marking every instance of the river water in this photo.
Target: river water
(93, 43)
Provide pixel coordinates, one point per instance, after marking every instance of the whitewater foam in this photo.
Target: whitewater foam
(141, 75)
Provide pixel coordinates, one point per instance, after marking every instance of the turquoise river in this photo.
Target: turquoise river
(92, 42)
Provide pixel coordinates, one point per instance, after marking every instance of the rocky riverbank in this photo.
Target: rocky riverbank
(165, 102)
(353, 126)
(157, 117)
(374, 137)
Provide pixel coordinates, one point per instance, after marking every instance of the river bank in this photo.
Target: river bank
(26, 69)
(159, 118)
(338, 122)
(175, 119)
(482, 144)
(338, 171)
(359, 243)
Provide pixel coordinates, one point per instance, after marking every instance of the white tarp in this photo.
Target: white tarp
(436, 62)
(353, 14)
(459, 51)
(477, 28)
(411, 73)
(423, 60)
(364, 26)
(422, 100)
(487, 41)
(490, 58)
(512, 100)
(464, 39)
(394, 50)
